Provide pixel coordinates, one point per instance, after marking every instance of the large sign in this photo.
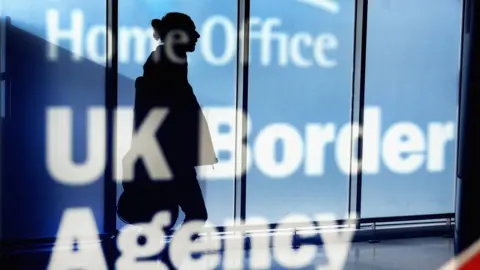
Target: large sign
(300, 84)
(211, 249)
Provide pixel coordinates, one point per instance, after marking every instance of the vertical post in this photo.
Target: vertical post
(111, 76)
(2, 100)
(243, 53)
(374, 238)
(357, 108)
(448, 227)
(5, 23)
(467, 217)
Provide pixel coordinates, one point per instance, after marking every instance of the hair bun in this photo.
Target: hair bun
(157, 24)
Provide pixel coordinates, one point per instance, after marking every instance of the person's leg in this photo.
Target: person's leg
(190, 197)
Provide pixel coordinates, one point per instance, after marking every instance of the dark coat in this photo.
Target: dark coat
(184, 137)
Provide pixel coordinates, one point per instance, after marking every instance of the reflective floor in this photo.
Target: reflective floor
(407, 254)
(411, 254)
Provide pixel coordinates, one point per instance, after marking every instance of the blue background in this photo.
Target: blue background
(412, 74)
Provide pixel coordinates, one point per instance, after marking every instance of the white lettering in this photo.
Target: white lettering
(141, 38)
(123, 138)
(439, 135)
(60, 146)
(220, 119)
(290, 47)
(403, 147)
(285, 254)
(77, 227)
(54, 34)
(337, 244)
(371, 140)
(278, 149)
(265, 154)
(207, 40)
(145, 146)
(234, 251)
(347, 163)
(266, 36)
(97, 39)
(317, 138)
(153, 234)
(298, 40)
(323, 43)
(260, 256)
(182, 246)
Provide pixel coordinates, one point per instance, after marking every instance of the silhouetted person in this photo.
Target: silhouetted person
(184, 136)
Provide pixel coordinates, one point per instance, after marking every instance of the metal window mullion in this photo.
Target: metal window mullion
(464, 39)
(357, 107)
(111, 94)
(241, 106)
(2, 102)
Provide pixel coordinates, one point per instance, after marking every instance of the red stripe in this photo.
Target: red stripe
(472, 264)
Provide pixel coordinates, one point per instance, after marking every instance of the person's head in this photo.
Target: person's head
(177, 28)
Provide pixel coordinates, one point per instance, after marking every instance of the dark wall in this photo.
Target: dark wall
(32, 201)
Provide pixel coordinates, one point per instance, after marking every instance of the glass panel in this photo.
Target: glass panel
(299, 106)
(412, 74)
(211, 73)
(55, 63)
